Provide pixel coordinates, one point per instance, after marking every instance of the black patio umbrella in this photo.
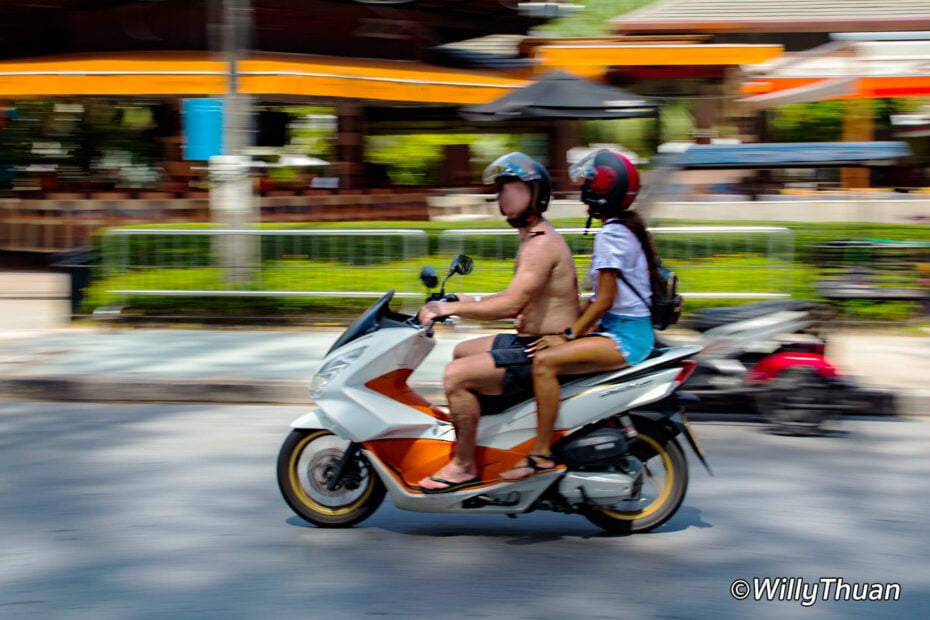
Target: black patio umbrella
(563, 95)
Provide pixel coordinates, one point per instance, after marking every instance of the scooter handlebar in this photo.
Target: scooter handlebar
(444, 319)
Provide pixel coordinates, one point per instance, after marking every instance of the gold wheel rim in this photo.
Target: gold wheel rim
(655, 505)
(301, 492)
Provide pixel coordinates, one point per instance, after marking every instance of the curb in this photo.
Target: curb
(226, 390)
(245, 391)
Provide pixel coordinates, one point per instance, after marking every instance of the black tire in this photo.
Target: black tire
(793, 403)
(306, 461)
(665, 481)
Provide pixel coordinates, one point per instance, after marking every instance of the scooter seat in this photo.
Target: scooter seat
(708, 318)
(492, 405)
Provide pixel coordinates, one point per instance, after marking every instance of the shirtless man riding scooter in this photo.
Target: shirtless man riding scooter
(491, 373)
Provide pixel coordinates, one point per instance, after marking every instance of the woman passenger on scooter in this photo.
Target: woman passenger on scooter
(614, 328)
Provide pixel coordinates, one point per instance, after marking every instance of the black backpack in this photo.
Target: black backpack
(666, 302)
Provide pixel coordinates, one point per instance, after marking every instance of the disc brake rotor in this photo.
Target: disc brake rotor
(321, 468)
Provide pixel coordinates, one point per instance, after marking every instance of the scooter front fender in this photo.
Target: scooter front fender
(313, 419)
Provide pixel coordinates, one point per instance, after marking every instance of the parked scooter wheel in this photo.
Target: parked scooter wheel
(306, 463)
(797, 402)
(665, 481)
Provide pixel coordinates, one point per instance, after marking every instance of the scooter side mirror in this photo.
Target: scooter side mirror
(462, 264)
(429, 277)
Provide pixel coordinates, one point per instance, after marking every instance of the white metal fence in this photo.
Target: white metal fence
(713, 262)
(292, 263)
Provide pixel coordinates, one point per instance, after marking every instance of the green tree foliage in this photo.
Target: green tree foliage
(418, 159)
(592, 21)
(821, 121)
(312, 130)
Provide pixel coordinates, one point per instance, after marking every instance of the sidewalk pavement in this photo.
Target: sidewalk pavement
(44, 358)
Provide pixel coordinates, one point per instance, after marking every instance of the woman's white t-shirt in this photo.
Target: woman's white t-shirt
(616, 247)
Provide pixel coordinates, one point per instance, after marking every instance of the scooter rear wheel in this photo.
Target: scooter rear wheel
(306, 463)
(664, 485)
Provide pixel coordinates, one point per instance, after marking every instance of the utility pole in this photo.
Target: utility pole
(231, 201)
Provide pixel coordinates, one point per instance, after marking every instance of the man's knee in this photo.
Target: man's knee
(450, 377)
(457, 376)
(467, 375)
(460, 350)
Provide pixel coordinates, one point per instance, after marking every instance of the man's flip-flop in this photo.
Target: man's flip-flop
(451, 486)
(532, 466)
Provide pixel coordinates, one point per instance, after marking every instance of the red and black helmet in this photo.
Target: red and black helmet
(611, 182)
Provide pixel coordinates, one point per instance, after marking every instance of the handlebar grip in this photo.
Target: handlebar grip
(446, 297)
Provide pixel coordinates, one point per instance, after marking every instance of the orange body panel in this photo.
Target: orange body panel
(411, 460)
(394, 386)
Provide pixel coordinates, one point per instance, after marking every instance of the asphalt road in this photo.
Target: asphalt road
(119, 511)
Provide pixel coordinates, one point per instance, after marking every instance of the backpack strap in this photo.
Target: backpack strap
(635, 292)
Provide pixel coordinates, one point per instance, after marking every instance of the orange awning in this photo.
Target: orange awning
(322, 76)
(816, 91)
(867, 70)
(780, 91)
(113, 74)
(193, 74)
(594, 60)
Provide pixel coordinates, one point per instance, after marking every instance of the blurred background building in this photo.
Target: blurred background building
(102, 99)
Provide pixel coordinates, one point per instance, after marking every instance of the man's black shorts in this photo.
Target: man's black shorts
(509, 353)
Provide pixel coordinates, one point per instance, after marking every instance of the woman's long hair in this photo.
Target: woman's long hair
(637, 226)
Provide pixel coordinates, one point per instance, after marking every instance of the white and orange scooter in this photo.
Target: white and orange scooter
(621, 465)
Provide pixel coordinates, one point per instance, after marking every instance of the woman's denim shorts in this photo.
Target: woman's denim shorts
(633, 334)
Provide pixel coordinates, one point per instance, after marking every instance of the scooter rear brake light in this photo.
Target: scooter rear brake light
(687, 367)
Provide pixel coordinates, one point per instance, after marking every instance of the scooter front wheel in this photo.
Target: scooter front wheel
(665, 481)
(306, 463)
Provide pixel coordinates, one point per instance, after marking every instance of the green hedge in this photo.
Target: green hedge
(140, 250)
(731, 264)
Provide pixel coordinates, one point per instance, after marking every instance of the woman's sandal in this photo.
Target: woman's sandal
(532, 466)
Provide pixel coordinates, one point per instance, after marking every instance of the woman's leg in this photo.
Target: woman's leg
(593, 354)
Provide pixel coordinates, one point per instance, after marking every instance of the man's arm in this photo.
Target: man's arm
(467, 297)
(533, 272)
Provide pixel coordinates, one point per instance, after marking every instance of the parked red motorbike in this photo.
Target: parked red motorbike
(768, 356)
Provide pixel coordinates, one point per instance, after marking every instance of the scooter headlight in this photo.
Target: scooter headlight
(330, 369)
